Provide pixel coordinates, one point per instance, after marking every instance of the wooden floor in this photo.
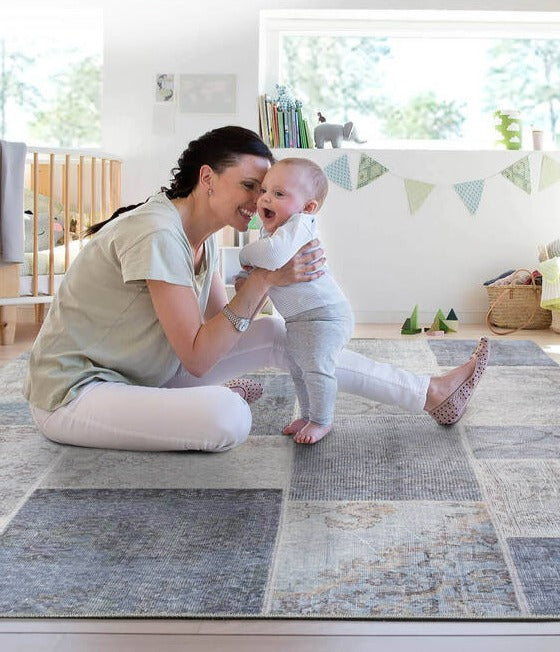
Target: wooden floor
(67, 635)
(548, 339)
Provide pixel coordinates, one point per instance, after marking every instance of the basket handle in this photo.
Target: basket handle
(500, 299)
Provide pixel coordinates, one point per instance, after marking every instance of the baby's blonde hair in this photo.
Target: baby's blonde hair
(319, 184)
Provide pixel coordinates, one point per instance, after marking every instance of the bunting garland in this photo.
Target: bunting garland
(520, 174)
(369, 170)
(550, 172)
(470, 192)
(339, 172)
(417, 193)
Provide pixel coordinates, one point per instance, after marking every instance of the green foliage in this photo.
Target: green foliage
(525, 73)
(335, 75)
(72, 118)
(343, 76)
(12, 87)
(424, 117)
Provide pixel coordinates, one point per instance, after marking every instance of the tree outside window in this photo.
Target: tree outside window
(414, 88)
(50, 89)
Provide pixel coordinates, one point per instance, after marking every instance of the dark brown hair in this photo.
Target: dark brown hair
(219, 148)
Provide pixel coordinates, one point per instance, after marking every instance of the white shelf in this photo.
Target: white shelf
(229, 263)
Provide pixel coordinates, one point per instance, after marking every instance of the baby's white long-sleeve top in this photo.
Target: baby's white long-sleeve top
(273, 251)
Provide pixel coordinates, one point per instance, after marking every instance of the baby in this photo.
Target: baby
(319, 320)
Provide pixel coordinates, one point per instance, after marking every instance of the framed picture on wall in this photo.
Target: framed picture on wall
(207, 93)
(165, 87)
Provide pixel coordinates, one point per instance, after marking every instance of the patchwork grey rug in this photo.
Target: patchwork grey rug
(390, 516)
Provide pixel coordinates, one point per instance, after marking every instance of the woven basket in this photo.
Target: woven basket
(516, 307)
(555, 321)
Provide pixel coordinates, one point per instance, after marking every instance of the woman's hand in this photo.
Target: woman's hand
(305, 266)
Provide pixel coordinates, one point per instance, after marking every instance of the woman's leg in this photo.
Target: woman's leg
(115, 415)
(192, 413)
(264, 345)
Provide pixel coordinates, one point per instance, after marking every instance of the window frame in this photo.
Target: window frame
(430, 23)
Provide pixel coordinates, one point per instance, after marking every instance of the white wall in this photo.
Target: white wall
(436, 258)
(388, 259)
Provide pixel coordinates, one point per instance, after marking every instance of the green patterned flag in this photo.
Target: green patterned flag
(255, 222)
(519, 174)
(550, 172)
(417, 192)
(470, 192)
(369, 170)
(339, 172)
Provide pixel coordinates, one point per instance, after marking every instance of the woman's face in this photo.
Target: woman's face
(236, 190)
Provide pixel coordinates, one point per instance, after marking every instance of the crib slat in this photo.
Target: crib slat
(112, 206)
(66, 212)
(92, 192)
(81, 196)
(103, 204)
(51, 222)
(35, 266)
(118, 182)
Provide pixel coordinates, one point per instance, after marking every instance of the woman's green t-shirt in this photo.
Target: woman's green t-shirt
(102, 324)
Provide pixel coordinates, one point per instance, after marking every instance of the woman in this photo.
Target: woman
(140, 337)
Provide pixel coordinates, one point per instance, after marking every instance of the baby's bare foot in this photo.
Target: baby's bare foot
(311, 433)
(294, 427)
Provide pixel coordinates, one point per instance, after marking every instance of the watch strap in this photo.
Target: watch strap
(240, 323)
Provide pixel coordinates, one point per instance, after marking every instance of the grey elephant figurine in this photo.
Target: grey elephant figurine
(335, 134)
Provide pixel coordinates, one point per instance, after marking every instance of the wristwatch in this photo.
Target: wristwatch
(240, 323)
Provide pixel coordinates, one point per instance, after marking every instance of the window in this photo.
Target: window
(50, 74)
(434, 77)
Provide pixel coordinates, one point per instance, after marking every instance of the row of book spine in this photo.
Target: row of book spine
(283, 128)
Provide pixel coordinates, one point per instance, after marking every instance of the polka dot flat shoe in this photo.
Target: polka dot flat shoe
(248, 389)
(452, 409)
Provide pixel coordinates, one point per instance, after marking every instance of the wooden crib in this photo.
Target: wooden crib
(65, 191)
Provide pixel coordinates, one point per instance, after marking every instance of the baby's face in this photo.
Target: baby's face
(284, 191)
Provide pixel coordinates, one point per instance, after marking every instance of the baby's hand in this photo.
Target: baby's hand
(241, 277)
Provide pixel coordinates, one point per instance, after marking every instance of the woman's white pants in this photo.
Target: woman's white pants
(190, 413)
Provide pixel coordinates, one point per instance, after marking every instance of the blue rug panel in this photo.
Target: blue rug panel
(538, 565)
(139, 552)
(384, 458)
(505, 353)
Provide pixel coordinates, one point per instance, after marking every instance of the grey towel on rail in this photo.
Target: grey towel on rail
(12, 169)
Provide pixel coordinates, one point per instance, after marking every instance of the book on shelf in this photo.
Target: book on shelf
(283, 128)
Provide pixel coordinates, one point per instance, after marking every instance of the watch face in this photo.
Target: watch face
(241, 323)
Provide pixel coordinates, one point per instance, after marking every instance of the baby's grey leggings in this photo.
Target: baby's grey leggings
(314, 340)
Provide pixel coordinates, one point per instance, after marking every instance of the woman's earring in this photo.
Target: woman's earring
(210, 192)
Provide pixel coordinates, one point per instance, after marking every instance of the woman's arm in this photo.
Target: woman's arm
(200, 345)
(217, 297)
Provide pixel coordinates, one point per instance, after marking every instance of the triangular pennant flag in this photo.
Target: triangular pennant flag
(339, 172)
(417, 192)
(369, 170)
(519, 174)
(470, 192)
(255, 222)
(550, 172)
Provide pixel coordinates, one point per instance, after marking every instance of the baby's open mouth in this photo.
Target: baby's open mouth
(268, 214)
